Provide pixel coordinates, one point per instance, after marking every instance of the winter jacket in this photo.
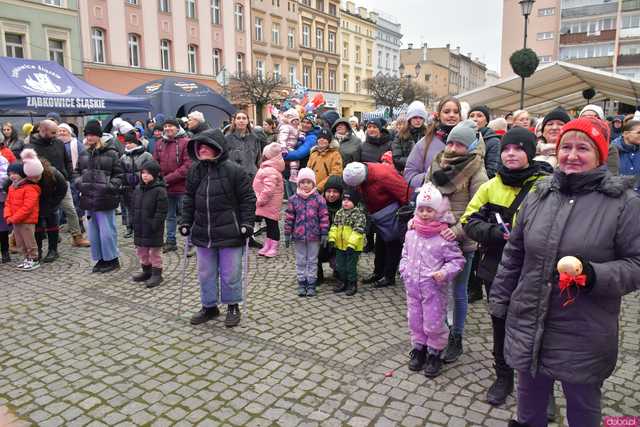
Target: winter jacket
(402, 146)
(546, 152)
(613, 160)
(629, 160)
(200, 127)
(480, 224)
(149, 206)
(52, 150)
(325, 163)
(51, 194)
(22, 205)
(269, 189)
(244, 150)
(418, 163)
(349, 145)
(349, 230)
(100, 177)
(372, 149)
(14, 143)
(306, 219)
(303, 150)
(423, 256)
(174, 162)
(131, 162)
(287, 136)
(7, 153)
(219, 200)
(382, 187)
(492, 151)
(591, 215)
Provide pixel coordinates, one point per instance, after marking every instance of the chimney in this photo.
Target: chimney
(458, 50)
(448, 46)
(424, 51)
(362, 11)
(469, 55)
(373, 16)
(410, 46)
(351, 7)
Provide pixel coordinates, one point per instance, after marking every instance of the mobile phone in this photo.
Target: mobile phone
(502, 224)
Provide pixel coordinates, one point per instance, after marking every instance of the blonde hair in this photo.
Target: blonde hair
(581, 136)
(518, 113)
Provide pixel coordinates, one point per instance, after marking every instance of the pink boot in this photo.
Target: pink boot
(265, 247)
(273, 249)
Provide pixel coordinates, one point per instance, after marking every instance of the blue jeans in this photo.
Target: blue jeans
(103, 235)
(224, 266)
(175, 202)
(460, 297)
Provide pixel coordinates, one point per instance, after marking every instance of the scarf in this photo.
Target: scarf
(428, 228)
(340, 137)
(442, 132)
(516, 178)
(450, 171)
(305, 194)
(583, 182)
(73, 148)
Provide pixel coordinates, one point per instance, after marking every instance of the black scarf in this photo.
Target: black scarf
(442, 131)
(516, 178)
(583, 182)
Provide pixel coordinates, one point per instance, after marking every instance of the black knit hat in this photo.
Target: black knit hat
(351, 194)
(16, 167)
(486, 112)
(521, 137)
(325, 134)
(558, 113)
(93, 128)
(152, 167)
(335, 182)
(171, 121)
(132, 137)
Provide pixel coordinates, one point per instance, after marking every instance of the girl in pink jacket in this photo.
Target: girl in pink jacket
(288, 136)
(429, 264)
(269, 194)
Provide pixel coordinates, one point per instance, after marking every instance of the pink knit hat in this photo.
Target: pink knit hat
(306, 173)
(272, 150)
(31, 163)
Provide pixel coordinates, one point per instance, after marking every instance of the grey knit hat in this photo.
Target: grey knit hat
(464, 133)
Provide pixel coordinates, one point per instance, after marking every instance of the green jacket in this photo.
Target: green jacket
(348, 230)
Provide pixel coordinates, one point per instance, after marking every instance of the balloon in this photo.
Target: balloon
(304, 100)
(318, 99)
(570, 265)
(308, 108)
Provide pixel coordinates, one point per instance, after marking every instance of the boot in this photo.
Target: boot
(340, 287)
(384, 283)
(169, 247)
(272, 250)
(551, 408)
(475, 294)
(233, 316)
(371, 278)
(352, 288)
(320, 277)
(129, 233)
(501, 387)
(253, 243)
(97, 268)
(418, 358)
(52, 255)
(52, 242)
(302, 288)
(144, 275)
(156, 278)
(204, 315)
(79, 241)
(6, 257)
(110, 266)
(433, 366)
(454, 348)
(311, 289)
(514, 423)
(265, 248)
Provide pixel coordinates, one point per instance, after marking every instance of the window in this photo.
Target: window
(238, 14)
(380, 59)
(275, 34)
(215, 12)
(134, 50)
(306, 73)
(630, 49)
(56, 51)
(545, 36)
(345, 83)
(319, 78)
(395, 62)
(217, 57)
(277, 73)
(320, 5)
(333, 10)
(240, 64)
(53, 2)
(357, 54)
(164, 6)
(133, 2)
(319, 39)
(292, 74)
(544, 59)
(191, 9)
(291, 38)
(631, 21)
(14, 45)
(386, 61)
(332, 80)
(345, 51)
(97, 45)
(586, 51)
(260, 68)
(306, 30)
(369, 57)
(192, 58)
(165, 55)
(357, 84)
(592, 26)
(547, 11)
(258, 35)
(332, 42)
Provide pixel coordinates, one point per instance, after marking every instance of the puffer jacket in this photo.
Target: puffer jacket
(288, 136)
(244, 150)
(591, 215)
(349, 230)
(383, 186)
(21, 205)
(402, 145)
(149, 206)
(52, 150)
(423, 256)
(629, 160)
(350, 145)
(492, 151)
(131, 162)
(174, 162)
(52, 193)
(372, 149)
(200, 127)
(306, 219)
(325, 163)
(418, 161)
(100, 178)
(269, 189)
(219, 200)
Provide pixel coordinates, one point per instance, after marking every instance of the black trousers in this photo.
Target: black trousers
(48, 224)
(498, 327)
(273, 231)
(387, 258)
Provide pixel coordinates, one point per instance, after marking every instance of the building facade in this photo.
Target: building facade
(42, 29)
(357, 40)
(318, 25)
(386, 53)
(128, 43)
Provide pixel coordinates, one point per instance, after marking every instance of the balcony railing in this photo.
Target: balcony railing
(579, 38)
(594, 10)
(630, 5)
(629, 59)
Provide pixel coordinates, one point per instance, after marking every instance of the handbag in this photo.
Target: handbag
(387, 223)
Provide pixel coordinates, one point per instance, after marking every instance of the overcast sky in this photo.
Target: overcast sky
(474, 25)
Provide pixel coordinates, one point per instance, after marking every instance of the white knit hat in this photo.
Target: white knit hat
(67, 128)
(429, 197)
(354, 174)
(595, 108)
(416, 109)
(31, 163)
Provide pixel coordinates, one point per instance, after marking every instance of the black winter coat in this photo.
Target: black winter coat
(372, 150)
(100, 178)
(220, 199)
(149, 205)
(492, 151)
(245, 150)
(350, 145)
(52, 193)
(52, 150)
(401, 146)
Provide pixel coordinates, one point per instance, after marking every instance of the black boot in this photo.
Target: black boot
(253, 243)
(233, 316)
(371, 278)
(129, 233)
(352, 288)
(110, 266)
(475, 294)
(433, 366)
(169, 247)
(551, 408)
(144, 275)
(514, 423)
(52, 243)
(52, 255)
(156, 278)
(418, 358)
(340, 287)
(454, 348)
(204, 315)
(384, 283)
(6, 257)
(320, 278)
(501, 387)
(97, 268)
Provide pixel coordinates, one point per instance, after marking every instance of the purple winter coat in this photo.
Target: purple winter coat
(417, 165)
(306, 219)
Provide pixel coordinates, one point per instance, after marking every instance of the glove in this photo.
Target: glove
(589, 272)
(571, 286)
(132, 179)
(246, 231)
(287, 241)
(323, 241)
(185, 230)
(350, 251)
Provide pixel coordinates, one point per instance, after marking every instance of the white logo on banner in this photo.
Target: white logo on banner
(38, 79)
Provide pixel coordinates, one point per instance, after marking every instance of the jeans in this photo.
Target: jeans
(103, 235)
(175, 203)
(307, 260)
(220, 266)
(583, 401)
(70, 213)
(460, 297)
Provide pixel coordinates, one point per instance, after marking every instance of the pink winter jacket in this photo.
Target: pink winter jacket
(288, 136)
(269, 188)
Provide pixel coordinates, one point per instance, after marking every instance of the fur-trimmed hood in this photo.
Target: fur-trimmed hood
(333, 145)
(599, 179)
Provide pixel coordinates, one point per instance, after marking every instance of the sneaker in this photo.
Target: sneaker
(204, 315)
(433, 366)
(30, 264)
(233, 316)
(418, 358)
(20, 265)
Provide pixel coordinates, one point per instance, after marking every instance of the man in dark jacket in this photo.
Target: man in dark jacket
(218, 213)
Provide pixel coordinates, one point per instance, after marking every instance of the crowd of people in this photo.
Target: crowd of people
(454, 201)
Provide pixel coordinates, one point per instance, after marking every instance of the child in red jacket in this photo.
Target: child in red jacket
(21, 209)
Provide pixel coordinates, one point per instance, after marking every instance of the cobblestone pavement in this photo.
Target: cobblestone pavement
(83, 349)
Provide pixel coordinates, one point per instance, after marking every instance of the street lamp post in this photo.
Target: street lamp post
(526, 6)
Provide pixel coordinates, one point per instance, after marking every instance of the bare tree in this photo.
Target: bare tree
(393, 92)
(414, 91)
(258, 89)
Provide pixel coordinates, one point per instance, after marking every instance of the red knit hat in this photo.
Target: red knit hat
(595, 129)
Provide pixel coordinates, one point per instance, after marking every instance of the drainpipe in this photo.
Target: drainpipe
(616, 46)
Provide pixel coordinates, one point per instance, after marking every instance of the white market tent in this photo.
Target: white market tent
(556, 84)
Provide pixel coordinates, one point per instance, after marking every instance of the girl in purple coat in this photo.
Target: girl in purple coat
(307, 224)
(429, 264)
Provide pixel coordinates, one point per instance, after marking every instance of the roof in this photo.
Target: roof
(556, 84)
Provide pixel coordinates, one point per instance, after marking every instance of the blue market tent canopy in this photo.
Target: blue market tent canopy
(30, 87)
(176, 97)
